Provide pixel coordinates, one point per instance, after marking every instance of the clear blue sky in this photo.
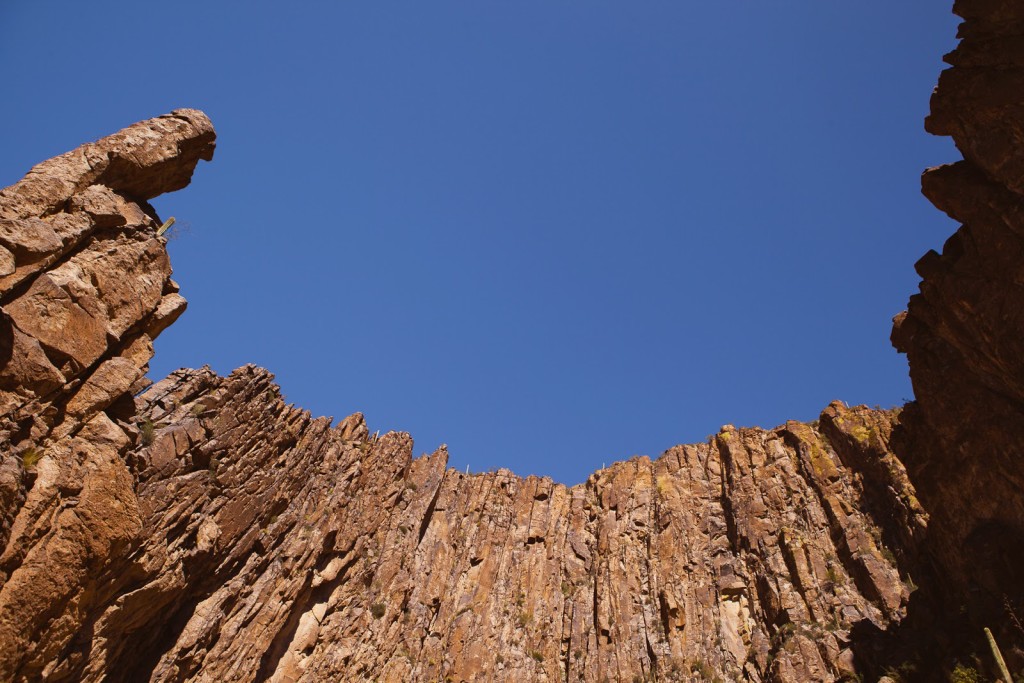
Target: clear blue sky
(549, 234)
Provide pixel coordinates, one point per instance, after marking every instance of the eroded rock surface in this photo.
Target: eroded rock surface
(964, 331)
(202, 529)
(85, 288)
(328, 554)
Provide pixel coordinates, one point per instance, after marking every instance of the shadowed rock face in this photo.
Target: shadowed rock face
(962, 332)
(204, 530)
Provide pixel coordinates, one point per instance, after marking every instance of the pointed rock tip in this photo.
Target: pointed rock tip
(142, 161)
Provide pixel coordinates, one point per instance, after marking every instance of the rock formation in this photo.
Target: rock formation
(200, 529)
(963, 332)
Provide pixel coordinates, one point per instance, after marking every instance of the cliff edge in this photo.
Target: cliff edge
(201, 529)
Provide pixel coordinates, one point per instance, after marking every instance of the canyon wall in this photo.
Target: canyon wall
(204, 530)
(963, 333)
(201, 529)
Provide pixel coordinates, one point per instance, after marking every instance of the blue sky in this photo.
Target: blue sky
(549, 234)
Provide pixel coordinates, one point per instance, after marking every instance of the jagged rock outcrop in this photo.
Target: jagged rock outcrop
(207, 531)
(85, 288)
(963, 331)
(202, 529)
(275, 547)
(326, 554)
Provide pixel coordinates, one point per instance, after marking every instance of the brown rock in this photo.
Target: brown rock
(111, 379)
(140, 162)
(962, 334)
(313, 553)
(205, 530)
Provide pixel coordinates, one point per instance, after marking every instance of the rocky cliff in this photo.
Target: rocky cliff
(201, 529)
(963, 331)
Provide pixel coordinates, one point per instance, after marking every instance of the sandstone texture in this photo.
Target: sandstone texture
(201, 529)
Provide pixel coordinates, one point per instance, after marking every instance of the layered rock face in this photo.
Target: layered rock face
(204, 530)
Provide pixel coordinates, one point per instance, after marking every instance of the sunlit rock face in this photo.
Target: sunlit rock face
(201, 529)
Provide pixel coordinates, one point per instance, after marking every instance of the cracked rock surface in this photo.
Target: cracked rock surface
(201, 529)
(204, 530)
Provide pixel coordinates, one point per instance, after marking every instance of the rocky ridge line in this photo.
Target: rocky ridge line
(205, 530)
(84, 289)
(962, 333)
